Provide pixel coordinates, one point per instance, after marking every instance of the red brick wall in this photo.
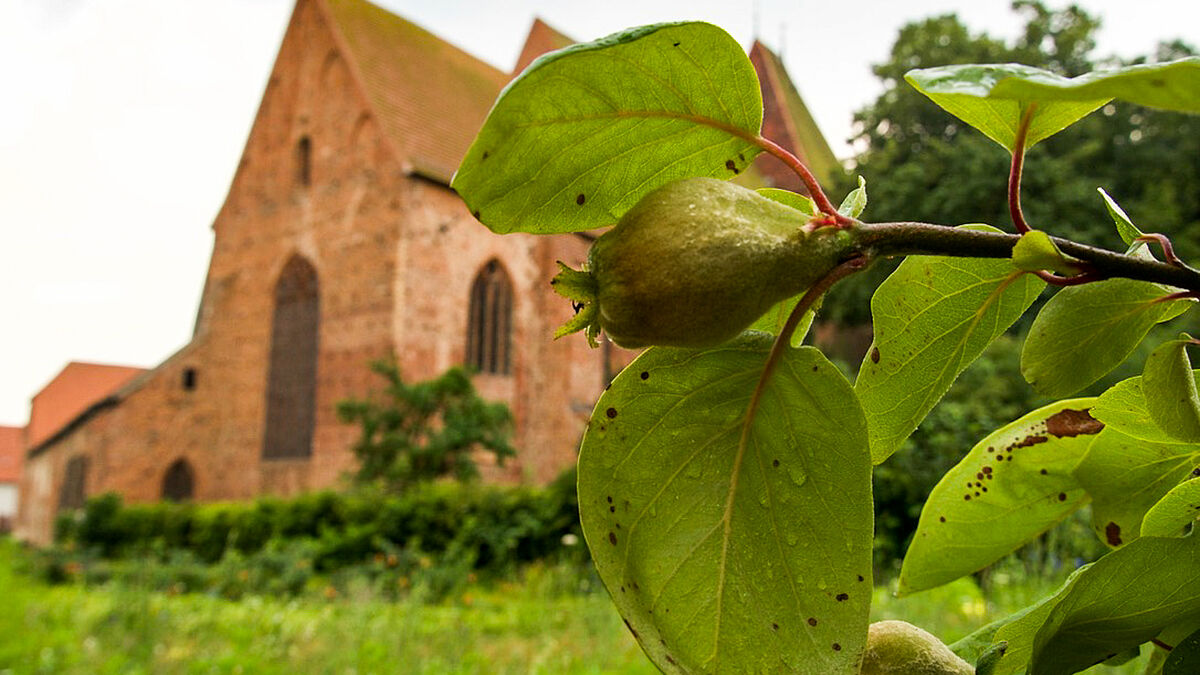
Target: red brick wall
(395, 257)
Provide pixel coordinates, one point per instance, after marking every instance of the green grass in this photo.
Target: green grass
(541, 623)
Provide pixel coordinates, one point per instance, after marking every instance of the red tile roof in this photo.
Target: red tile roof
(72, 391)
(542, 39)
(429, 96)
(11, 450)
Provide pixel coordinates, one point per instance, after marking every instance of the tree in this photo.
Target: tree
(924, 164)
(725, 483)
(413, 433)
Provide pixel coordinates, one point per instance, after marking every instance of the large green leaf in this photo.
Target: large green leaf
(1126, 476)
(1184, 658)
(1172, 86)
(732, 546)
(932, 317)
(1013, 485)
(1170, 390)
(1124, 599)
(1123, 408)
(968, 92)
(1171, 515)
(585, 132)
(1017, 630)
(1085, 331)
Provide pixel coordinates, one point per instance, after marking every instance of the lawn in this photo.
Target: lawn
(544, 622)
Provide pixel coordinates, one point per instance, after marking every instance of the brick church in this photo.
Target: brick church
(339, 243)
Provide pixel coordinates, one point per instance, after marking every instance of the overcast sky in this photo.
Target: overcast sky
(121, 122)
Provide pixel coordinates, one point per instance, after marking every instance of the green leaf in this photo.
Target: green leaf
(585, 132)
(1184, 659)
(990, 660)
(795, 200)
(855, 201)
(731, 547)
(1035, 251)
(1085, 331)
(1125, 476)
(773, 321)
(1019, 630)
(967, 92)
(1123, 408)
(1170, 390)
(1013, 485)
(1124, 599)
(1172, 86)
(932, 317)
(1172, 514)
(1125, 227)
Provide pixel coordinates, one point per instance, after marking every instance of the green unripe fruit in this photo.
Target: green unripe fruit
(900, 648)
(695, 262)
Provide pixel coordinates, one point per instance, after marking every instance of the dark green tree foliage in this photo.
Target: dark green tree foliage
(922, 163)
(419, 432)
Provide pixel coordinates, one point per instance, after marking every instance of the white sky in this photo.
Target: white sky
(121, 122)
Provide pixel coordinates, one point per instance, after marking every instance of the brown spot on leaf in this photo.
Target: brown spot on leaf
(611, 412)
(668, 656)
(775, 463)
(875, 355)
(842, 597)
(645, 375)
(837, 647)
(942, 519)
(812, 621)
(1029, 440)
(987, 469)
(1062, 496)
(476, 214)
(860, 578)
(1045, 472)
(630, 627)
(1112, 533)
(729, 164)
(967, 498)
(612, 509)
(485, 154)
(612, 538)
(580, 199)
(1071, 423)
(979, 475)
(610, 500)
(774, 626)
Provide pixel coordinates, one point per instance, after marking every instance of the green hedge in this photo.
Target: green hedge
(490, 528)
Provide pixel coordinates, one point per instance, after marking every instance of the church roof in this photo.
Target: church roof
(429, 97)
(807, 140)
(10, 454)
(75, 389)
(542, 39)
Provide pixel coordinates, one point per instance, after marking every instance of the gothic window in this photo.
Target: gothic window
(489, 321)
(73, 494)
(304, 160)
(292, 366)
(178, 482)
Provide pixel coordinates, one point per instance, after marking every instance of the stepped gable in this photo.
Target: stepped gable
(787, 121)
(429, 97)
(542, 39)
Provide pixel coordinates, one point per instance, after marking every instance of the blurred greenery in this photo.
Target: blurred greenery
(546, 618)
(923, 164)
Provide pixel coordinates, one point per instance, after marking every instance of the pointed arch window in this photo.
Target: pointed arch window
(179, 482)
(489, 321)
(292, 367)
(74, 486)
